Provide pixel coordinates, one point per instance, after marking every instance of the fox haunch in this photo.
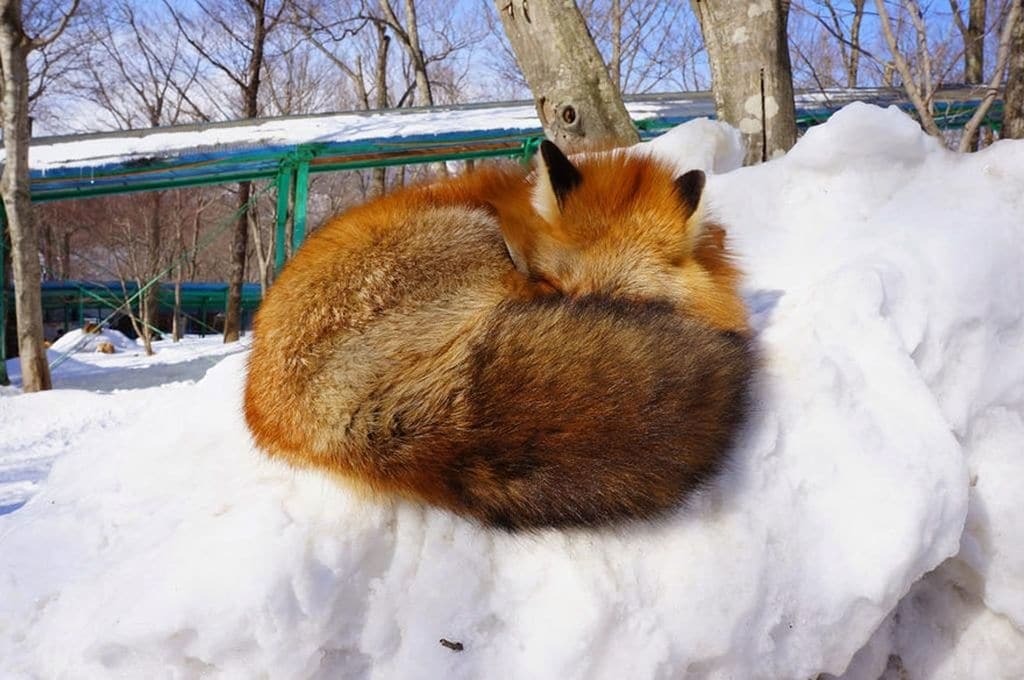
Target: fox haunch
(591, 410)
(566, 350)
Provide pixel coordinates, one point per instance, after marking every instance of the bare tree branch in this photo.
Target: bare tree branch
(992, 90)
(920, 105)
(44, 40)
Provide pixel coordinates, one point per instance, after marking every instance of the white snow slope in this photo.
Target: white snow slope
(870, 525)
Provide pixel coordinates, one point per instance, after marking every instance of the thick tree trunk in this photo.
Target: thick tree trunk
(752, 78)
(577, 102)
(1013, 101)
(28, 309)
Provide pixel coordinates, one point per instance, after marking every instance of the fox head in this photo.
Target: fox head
(623, 225)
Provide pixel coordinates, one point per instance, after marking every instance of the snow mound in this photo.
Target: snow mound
(701, 144)
(888, 296)
(80, 341)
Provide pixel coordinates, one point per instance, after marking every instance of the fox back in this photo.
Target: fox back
(466, 345)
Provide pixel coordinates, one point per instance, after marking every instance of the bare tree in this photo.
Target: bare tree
(578, 103)
(136, 69)
(920, 87)
(973, 31)
(330, 33)
(840, 28)
(751, 73)
(231, 35)
(408, 34)
(1013, 105)
(928, 64)
(1013, 17)
(299, 80)
(15, 47)
(646, 43)
(138, 73)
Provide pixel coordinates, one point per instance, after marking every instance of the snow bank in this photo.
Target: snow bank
(885, 283)
(96, 395)
(79, 341)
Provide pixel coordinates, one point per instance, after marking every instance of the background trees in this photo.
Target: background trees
(16, 45)
(126, 64)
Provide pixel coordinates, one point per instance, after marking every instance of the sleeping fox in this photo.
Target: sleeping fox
(567, 349)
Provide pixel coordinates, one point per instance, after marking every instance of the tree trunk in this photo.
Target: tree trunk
(616, 57)
(419, 63)
(263, 249)
(28, 307)
(380, 78)
(239, 248)
(48, 256)
(176, 323)
(974, 43)
(853, 66)
(65, 255)
(1013, 102)
(179, 249)
(240, 240)
(150, 301)
(752, 79)
(577, 102)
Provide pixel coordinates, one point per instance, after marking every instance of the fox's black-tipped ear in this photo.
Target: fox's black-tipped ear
(562, 174)
(690, 187)
(556, 178)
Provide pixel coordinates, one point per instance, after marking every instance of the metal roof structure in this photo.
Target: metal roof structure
(81, 166)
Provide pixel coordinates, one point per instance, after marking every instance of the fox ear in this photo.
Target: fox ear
(690, 188)
(519, 244)
(556, 178)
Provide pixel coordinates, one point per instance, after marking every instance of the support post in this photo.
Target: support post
(301, 195)
(284, 185)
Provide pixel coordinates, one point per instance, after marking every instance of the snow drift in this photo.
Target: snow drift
(886, 287)
(78, 340)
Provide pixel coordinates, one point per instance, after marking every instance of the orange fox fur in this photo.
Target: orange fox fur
(564, 351)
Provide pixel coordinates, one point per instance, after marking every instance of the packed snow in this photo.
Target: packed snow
(868, 528)
(78, 340)
(96, 395)
(341, 127)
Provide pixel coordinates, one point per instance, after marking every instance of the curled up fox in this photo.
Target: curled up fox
(566, 348)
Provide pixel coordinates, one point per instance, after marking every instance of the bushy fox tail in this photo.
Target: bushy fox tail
(592, 411)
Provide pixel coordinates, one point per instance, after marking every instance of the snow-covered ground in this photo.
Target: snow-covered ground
(869, 528)
(96, 396)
